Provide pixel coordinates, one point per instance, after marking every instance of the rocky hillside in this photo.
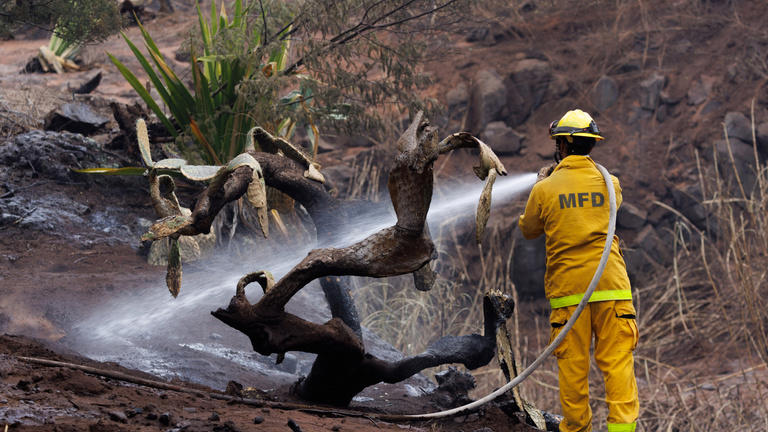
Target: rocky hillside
(662, 80)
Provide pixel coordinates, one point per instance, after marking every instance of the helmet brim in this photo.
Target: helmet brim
(581, 134)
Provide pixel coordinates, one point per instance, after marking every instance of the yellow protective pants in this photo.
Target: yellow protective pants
(614, 328)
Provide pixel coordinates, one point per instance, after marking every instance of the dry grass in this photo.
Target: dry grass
(22, 110)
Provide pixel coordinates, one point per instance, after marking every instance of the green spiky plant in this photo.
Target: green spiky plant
(217, 112)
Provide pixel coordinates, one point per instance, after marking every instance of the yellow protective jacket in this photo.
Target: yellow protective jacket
(571, 208)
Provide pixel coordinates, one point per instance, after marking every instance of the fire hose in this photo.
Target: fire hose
(566, 328)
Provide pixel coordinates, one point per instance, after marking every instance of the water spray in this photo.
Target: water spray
(135, 316)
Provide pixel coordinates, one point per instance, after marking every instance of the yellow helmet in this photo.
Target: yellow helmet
(575, 123)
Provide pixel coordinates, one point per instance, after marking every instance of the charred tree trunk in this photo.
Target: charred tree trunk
(343, 368)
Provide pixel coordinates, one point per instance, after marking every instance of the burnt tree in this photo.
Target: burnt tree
(343, 367)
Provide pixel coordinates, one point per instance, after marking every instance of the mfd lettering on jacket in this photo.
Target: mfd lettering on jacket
(581, 199)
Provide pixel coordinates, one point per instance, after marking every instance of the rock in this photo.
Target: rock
(526, 85)
(649, 242)
(710, 106)
(484, 429)
(670, 98)
(528, 266)
(228, 426)
(118, 416)
(258, 420)
(661, 113)
(453, 388)
(630, 217)
(457, 96)
(23, 385)
(131, 413)
(737, 125)
(502, 139)
(743, 160)
(165, 418)
(488, 98)
(478, 34)
(457, 100)
(638, 263)
(700, 90)
(687, 202)
(214, 417)
(606, 93)
(293, 425)
(650, 91)
(104, 426)
(630, 66)
(552, 420)
(75, 117)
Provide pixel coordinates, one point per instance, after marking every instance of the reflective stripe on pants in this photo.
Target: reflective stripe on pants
(621, 427)
(615, 331)
(597, 296)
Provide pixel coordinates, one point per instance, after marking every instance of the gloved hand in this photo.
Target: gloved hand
(545, 172)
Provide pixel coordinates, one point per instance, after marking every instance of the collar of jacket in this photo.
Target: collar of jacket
(575, 161)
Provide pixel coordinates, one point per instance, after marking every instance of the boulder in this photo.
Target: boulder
(700, 90)
(650, 91)
(637, 261)
(457, 100)
(487, 99)
(502, 138)
(529, 262)
(743, 160)
(630, 217)
(75, 117)
(606, 93)
(737, 125)
(527, 86)
(649, 242)
(688, 202)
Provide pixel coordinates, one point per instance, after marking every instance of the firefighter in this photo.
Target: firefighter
(568, 204)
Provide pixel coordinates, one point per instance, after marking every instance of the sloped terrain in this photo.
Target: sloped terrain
(666, 83)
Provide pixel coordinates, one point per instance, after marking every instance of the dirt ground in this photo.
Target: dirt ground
(36, 398)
